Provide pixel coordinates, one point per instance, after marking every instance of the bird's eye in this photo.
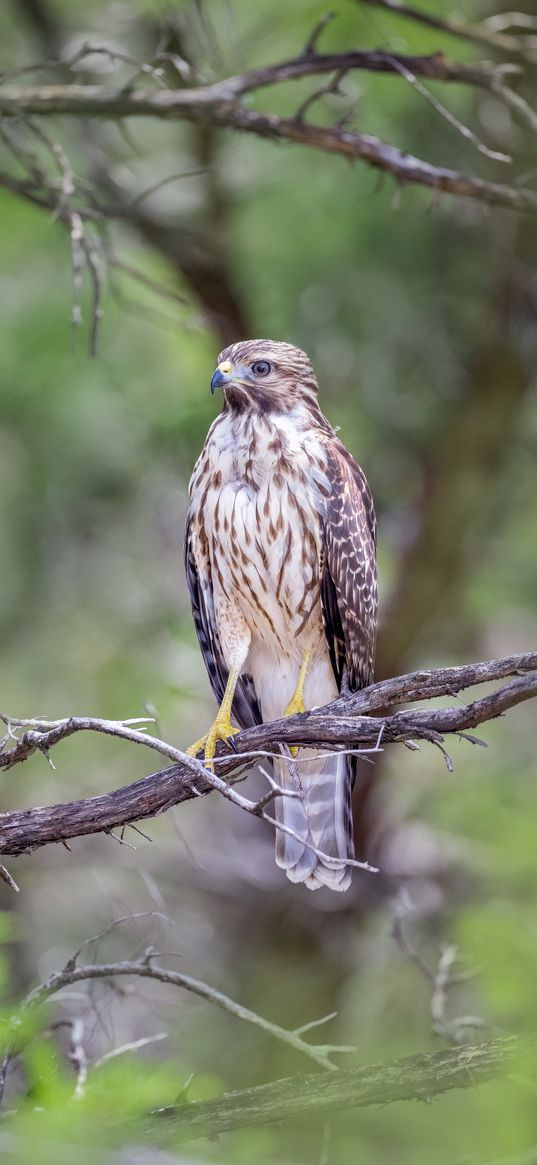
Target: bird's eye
(261, 368)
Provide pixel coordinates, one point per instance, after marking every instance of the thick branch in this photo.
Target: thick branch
(218, 105)
(334, 726)
(412, 1078)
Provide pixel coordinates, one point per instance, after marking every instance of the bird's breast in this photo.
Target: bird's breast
(262, 501)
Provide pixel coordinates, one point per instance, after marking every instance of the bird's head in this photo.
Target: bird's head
(266, 376)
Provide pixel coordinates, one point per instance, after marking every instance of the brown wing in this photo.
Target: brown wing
(245, 705)
(349, 577)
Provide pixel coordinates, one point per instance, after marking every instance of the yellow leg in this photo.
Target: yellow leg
(222, 728)
(296, 703)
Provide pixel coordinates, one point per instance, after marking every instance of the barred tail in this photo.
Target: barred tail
(321, 817)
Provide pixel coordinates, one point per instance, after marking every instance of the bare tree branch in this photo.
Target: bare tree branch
(436, 66)
(201, 256)
(219, 105)
(146, 968)
(440, 981)
(345, 721)
(412, 1078)
(415, 1077)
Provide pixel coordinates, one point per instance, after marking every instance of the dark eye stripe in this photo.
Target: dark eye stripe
(261, 367)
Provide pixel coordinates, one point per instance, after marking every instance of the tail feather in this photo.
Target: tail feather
(320, 820)
(292, 853)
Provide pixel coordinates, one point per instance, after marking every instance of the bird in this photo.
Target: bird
(280, 561)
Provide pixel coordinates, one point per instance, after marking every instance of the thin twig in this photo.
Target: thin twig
(516, 102)
(311, 44)
(83, 250)
(440, 980)
(131, 1047)
(6, 877)
(156, 186)
(452, 120)
(332, 88)
(144, 280)
(112, 926)
(77, 1056)
(145, 968)
(483, 33)
(81, 54)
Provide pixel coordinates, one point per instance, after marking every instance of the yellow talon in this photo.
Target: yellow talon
(221, 729)
(296, 703)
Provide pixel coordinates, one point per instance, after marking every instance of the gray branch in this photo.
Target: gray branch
(220, 105)
(146, 968)
(413, 1078)
(349, 722)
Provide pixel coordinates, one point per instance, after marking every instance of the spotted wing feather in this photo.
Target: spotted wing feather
(349, 578)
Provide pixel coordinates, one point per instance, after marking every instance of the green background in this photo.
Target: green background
(419, 316)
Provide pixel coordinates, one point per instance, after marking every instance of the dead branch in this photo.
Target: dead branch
(347, 722)
(440, 981)
(436, 66)
(220, 105)
(413, 1078)
(201, 256)
(146, 968)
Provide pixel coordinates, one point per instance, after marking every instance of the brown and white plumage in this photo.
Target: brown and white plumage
(280, 562)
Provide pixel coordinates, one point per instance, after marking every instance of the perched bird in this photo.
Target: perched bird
(280, 563)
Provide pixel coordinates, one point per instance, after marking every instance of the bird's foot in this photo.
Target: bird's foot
(296, 704)
(221, 729)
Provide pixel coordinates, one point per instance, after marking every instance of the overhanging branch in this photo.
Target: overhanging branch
(435, 66)
(221, 105)
(347, 721)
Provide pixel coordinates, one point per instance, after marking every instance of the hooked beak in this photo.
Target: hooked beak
(221, 375)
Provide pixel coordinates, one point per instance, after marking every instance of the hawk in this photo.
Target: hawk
(280, 564)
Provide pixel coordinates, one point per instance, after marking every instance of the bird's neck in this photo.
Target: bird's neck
(300, 415)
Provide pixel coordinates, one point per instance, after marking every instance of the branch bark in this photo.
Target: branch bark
(435, 66)
(347, 719)
(412, 1078)
(219, 105)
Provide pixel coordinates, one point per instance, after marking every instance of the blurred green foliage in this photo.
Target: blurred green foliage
(397, 301)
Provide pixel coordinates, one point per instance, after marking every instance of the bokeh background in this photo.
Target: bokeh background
(419, 315)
